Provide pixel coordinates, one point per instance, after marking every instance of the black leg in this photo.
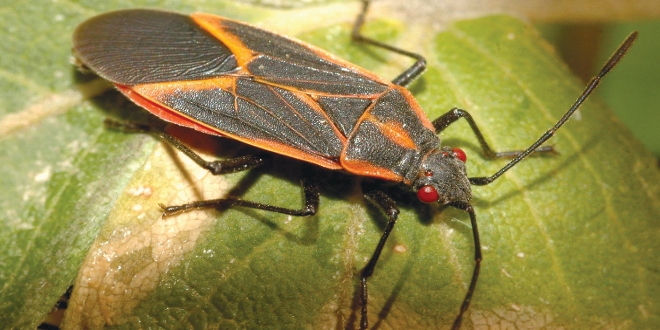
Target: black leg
(407, 76)
(477, 262)
(311, 204)
(455, 114)
(388, 205)
(237, 164)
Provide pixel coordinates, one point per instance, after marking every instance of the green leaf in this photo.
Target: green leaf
(634, 88)
(569, 241)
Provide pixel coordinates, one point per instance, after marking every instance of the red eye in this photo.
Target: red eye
(427, 194)
(460, 154)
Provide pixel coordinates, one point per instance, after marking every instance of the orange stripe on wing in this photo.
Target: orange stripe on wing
(393, 131)
(286, 150)
(363, 167)
(213, 25)
(226, 83)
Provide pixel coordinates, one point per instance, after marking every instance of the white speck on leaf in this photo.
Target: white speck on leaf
(400, 248)
(44, 175)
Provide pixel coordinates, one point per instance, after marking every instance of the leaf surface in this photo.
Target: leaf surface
(569, 241)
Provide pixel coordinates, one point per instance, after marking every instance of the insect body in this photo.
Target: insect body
(227, 78)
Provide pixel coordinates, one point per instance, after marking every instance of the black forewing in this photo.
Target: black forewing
(258, 112)
(344, 111)
(142, 47)
(139, 46)
(284, 61)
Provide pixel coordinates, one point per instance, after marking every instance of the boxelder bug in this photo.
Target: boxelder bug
(227, 78)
